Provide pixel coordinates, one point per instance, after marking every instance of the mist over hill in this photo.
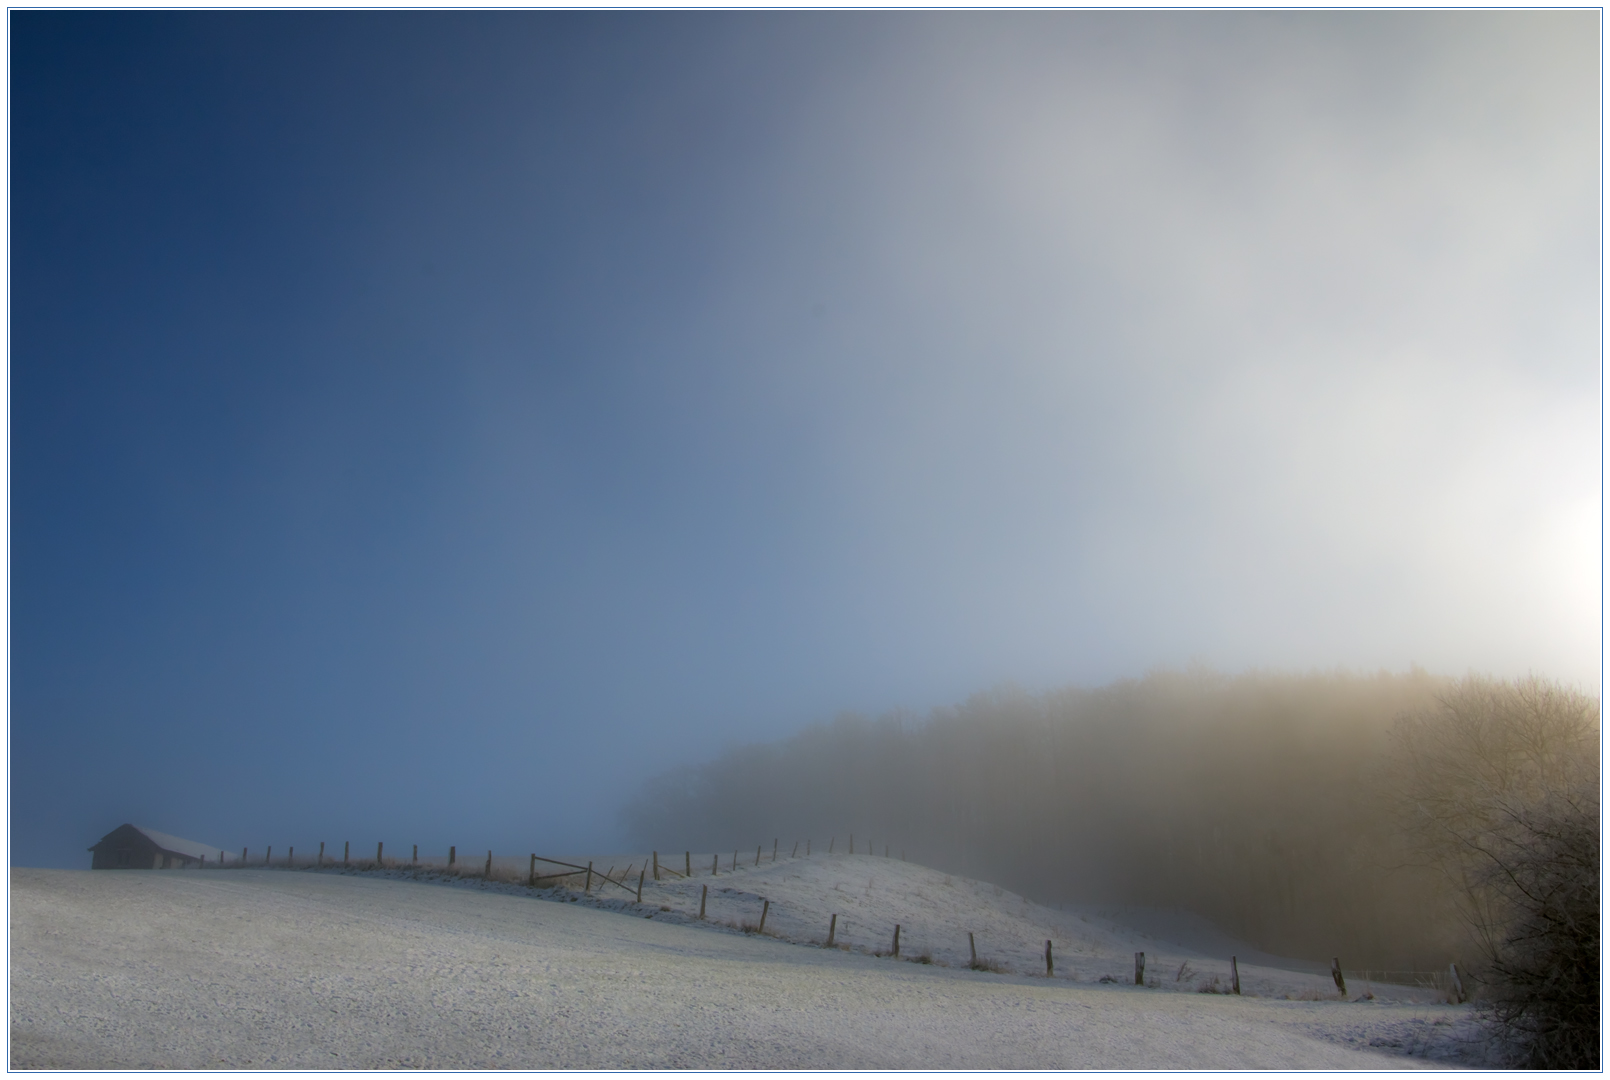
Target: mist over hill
(1260, 801)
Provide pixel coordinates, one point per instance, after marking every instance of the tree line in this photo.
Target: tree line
(1310, 815)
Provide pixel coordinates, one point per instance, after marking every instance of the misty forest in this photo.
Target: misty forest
(1402, 821)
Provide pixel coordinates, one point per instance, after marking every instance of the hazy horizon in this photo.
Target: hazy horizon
(428, 426)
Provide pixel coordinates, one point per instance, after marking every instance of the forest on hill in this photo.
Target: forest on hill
(1285, 808)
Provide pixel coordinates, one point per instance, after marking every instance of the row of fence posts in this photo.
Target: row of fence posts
(894, 949)
(832, 929)
(894, 946)
(833, 840)
(1455, 982)
(452, 857)
(346, 856)
(832, 926)
(715, 860)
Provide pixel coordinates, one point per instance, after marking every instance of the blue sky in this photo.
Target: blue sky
(424, 426)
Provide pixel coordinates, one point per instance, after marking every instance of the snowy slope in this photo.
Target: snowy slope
(270, 969)
(936, 911)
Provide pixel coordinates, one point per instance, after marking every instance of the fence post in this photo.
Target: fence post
(220, 859)
(452, 855)
(656, 866)
(795, 853)
(687, 863)
(1140, 969)
(531, 880)
(715, 865)
(765, 907)
(1235, 976)
(588, 888)
(757, 853)
(972, 948)
(640, 875)
(1048, 968)
(243, 856)
(897, 941)
(290, 858)
(380, 851)
(735, 862)
(774, 850)
(346, 852)
(488, 874)
(1336, 974)
(415, 860)
(268, 855)
(832, 928)
(704, 894)
(1458, 986)
(830, 840)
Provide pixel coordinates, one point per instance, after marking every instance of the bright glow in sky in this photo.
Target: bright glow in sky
(528, 399)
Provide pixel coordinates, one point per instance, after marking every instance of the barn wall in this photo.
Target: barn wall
(131, 851)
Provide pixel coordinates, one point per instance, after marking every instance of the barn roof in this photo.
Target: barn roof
(190, 849)
(181, 846)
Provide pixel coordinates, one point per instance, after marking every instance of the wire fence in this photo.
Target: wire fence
(627, 875)
(1446, 982)
(531, 870)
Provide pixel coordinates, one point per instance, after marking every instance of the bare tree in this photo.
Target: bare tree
(1500, 786)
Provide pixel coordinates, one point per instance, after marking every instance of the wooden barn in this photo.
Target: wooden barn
(133, 847)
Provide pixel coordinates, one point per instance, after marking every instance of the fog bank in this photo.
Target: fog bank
(1258, 801)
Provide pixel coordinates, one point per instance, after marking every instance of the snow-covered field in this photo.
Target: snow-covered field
(308, 969)
(936, 912)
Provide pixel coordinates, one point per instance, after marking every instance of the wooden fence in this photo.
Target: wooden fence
(542, 872)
